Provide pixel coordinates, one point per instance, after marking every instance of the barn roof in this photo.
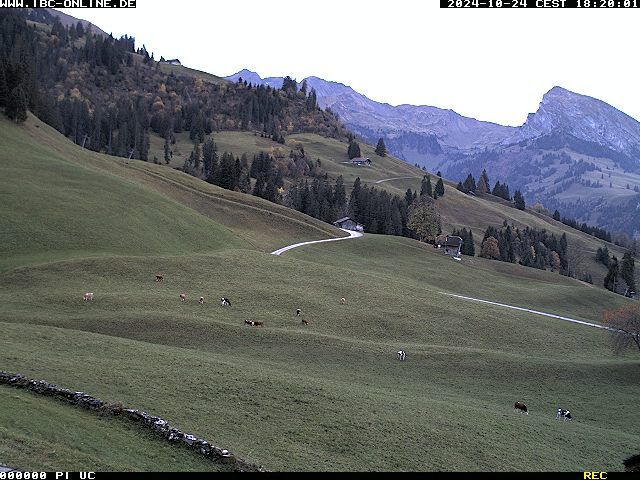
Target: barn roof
(347, 219)
(453, 241)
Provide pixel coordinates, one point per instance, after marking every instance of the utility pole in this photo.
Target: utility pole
(130, 154)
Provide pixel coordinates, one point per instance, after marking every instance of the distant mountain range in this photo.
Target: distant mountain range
(575, 153)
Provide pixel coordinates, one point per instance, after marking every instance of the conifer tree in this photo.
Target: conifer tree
(408, 197)
(425, 187)
(312, 100)
(469, 185)
(627, 271)
(339, 196)
(439, 190)
(483, 183)
(353, 151)
(17, 105)
(355, 208)
(209, 157)
(4, 92)
(381, 148)
(611, 280)
(519, 200)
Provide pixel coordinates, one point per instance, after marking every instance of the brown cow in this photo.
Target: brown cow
(159, 278)
(305, 322)
(257, 323)
(183, 297)
(520, 406)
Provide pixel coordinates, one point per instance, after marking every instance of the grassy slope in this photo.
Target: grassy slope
(292, 398)
(55, 208)
(37, 432)
(329, 396)
(458, 209)
(134, 208)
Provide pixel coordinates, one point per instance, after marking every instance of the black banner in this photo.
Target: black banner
(590, 475)
(67, 3)
(583, 4)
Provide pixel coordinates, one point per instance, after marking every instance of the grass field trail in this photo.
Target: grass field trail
(394, 178)
(351, 233)
(566, 319)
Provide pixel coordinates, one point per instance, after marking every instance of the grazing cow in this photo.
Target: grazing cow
(201, 300)
(401, 354)
(183, 297)
(564, 414)
(257, 323)
(305, 322)
(88, 296)
(248, 322)
(298, 312)
(343, 301)
(225, 302)
(159, 278)
(521, 407)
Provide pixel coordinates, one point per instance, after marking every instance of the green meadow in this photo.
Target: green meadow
(327, 396)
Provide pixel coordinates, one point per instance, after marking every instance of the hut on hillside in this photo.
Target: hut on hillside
(348, 224)
(452, 245)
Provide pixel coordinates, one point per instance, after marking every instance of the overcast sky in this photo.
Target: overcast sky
(489, 64)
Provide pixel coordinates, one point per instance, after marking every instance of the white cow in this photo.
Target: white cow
(88, 296)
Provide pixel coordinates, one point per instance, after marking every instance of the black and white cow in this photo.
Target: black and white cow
(225, 302)
(564, 414)
(298, 312)
(401, 354)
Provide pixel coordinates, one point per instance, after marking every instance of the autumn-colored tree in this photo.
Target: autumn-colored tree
(555, 261)
(482, 185)
(424, 220)
(490, 248)
(625, 322)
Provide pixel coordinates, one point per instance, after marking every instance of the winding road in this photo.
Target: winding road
(394, 178)
(512, 307)
(351, 233)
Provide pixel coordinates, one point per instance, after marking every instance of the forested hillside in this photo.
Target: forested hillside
(107, 95)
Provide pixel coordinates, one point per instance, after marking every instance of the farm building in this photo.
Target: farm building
(451, 244)
(348, 224)
(173, 61)
(360, 161)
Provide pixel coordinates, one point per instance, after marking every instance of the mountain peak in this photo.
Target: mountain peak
(583, 117)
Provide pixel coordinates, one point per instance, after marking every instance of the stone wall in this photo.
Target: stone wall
(146, 420)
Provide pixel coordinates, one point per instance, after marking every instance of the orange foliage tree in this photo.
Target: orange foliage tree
(626, 322)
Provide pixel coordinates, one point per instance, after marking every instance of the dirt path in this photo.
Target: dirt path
(566, 319)
(394, 178)
(351, 233)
